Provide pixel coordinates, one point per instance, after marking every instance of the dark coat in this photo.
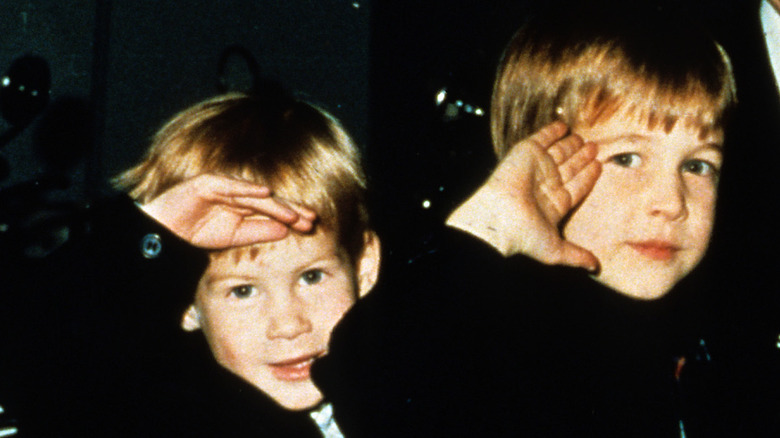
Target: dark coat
(747, 234)
(92, 344)
(465, 343)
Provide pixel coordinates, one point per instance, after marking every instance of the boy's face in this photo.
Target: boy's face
(268, 318)
(649, 217)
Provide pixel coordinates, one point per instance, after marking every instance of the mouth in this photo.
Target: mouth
(655, 249)
(294, 370)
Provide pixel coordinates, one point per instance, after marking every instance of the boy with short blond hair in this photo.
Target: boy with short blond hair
(254, 232)
(609, 128)
(267, 310)
(614, 91)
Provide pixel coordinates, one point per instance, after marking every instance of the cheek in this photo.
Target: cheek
(331, 307)
(232, 335)
(600, 214)
(701, 207)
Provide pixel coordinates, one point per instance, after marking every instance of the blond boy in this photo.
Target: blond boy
(266, 309)
(609, 131)
(647, 173)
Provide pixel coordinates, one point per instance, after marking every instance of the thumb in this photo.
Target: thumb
(578, 257)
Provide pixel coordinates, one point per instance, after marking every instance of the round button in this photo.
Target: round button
(151, 246)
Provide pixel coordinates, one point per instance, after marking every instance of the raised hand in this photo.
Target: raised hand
(217, 212)
(520, 207)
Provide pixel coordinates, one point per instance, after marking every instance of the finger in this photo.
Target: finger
(251, 231)
(578, 160)
(565, 148)
(582, 183)
(241, 211)
(549, 134)
(543, 139)
(302, 225)
(302, 221)
(273, 208)
(578, 257)
(561, 203)
(306, 216)
(304, 212)
(231, 187)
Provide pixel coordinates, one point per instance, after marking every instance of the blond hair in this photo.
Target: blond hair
(297, 149)
(586, 69)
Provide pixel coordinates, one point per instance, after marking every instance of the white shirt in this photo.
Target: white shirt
(770, 22)
(323, 416)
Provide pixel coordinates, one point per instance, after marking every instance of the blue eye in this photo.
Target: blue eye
(626, 160)
(243, 291)
(312, 276)
(700, 167)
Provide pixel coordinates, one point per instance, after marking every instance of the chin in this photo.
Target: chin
(299, 399)
(638, 287)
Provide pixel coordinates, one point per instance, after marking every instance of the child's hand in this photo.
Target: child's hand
(217, 212)
(520, 207)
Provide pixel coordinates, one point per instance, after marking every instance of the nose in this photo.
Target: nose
(666, 197)
(288, 320)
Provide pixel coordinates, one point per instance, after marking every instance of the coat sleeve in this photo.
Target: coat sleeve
(401, 363)
(91, 326)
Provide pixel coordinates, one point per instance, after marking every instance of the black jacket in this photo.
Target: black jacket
(747, 235)
(465, 343)
(92, 345)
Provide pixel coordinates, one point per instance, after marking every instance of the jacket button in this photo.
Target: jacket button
(151, 246)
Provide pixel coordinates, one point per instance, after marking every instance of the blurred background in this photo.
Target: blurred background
(85, 83)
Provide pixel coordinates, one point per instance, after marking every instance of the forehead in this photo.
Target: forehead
(641, 127)
(293, 252)
(649, 104)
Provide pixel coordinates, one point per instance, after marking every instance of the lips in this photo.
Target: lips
(293, 370)
(655, 249)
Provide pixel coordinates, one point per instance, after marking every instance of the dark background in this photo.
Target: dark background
(120, 68)
(139, 62)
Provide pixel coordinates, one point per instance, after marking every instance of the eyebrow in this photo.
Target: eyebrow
(633, 138)
(228, 275)
(714, 145)
(216, 278)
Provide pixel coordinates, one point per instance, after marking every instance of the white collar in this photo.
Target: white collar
(323, 416)
(770, 22)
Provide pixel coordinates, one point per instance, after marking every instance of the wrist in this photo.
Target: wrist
(484, 216)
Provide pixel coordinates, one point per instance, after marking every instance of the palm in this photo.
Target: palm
(545, 205)
(216, 212)
(216, 228)
(521, 206)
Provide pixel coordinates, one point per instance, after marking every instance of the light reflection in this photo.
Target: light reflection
(441, 96)
(454, 109)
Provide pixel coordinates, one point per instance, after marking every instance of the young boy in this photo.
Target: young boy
(520, 348)
(265, 295)
(267, 310)
(655, 125)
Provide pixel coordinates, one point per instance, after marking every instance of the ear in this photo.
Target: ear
(368, 264)
(190, 321)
